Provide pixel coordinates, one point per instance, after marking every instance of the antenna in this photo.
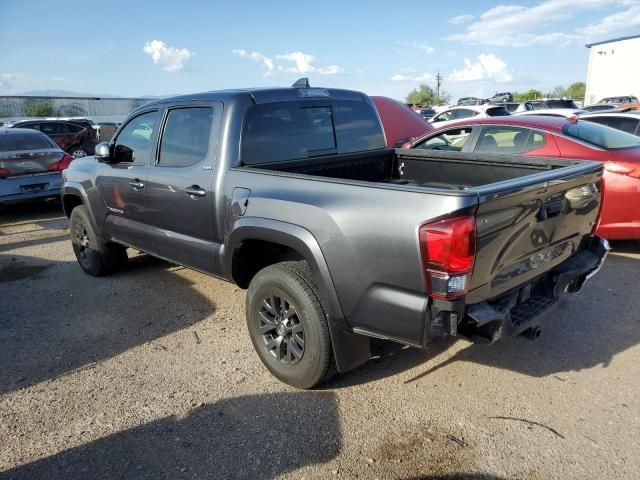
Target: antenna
(301, 83)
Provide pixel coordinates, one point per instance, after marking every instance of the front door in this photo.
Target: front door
(180, 188)
(121, 184)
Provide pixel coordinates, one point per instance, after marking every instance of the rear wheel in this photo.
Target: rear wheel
(96, 257)
(288, 326)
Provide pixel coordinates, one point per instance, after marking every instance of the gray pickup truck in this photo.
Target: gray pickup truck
(292, 194)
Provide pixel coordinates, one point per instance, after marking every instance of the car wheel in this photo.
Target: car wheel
(288, 325)
(77, 152)
(96, 257)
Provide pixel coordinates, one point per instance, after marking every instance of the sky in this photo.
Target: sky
(156, 48)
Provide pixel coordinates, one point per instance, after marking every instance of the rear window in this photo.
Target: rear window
(625, 124)
(19, 141)
(277, 132)
(600, 135)
(498, 112)
(561, 104)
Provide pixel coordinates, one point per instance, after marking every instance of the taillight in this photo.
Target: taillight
(4, 172)
(448, 249)
(61, 165)
(623, 169)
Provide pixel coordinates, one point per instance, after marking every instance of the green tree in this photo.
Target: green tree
(576, 90)
(558, 92)
(38, 107)
(425, 95)
(531, 94)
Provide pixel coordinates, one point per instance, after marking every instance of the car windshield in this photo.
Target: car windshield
(601, 136)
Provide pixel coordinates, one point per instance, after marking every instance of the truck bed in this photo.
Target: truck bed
(440, 170)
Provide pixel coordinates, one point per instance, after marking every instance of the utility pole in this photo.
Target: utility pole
(438, 83)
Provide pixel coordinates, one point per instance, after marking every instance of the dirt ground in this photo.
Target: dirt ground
(150, 373)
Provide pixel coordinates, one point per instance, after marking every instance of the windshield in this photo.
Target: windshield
(19, 141)
(601, 136)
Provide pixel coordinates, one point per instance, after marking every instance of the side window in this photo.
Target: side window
(502, 140)
(31, 125)
(464, 113)
(185, 139)
(536, 140)
(134, 141)
(451, 140)
(444, 116)
(51, 128)
(74, 128)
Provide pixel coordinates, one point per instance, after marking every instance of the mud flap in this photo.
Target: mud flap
(350, 349)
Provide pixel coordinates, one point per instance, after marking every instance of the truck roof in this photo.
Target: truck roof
(264, 95)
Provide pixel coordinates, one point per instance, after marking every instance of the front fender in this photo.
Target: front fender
(77, 189)
(351, 350)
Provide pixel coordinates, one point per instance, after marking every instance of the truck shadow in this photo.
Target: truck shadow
(253, 436)
(588, 330)
(56, 319)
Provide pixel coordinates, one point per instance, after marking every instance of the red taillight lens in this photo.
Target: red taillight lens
(4, 172)
(623, 169)
(448, 249)
(61, 165)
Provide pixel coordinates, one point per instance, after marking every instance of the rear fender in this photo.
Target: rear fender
(350, 349)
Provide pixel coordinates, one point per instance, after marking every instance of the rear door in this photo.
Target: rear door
(180, 189)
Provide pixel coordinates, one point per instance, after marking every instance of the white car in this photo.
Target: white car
(555, 112)
(626, 121)
(456, 114)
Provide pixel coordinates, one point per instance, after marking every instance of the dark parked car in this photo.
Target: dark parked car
(552, 103)
(465, 101)
(292, 194)
(30, 166)
(620, 100)
(601, 107)
(76, 140)
(501, 98)
(626, 121)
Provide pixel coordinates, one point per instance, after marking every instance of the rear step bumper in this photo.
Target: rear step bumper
(522, 311)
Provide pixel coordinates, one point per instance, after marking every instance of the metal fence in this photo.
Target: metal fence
(13, 108)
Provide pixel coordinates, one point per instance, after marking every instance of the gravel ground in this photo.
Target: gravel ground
(150, 373)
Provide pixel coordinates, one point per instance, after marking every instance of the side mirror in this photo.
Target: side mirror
(103, 153)
(122, 154)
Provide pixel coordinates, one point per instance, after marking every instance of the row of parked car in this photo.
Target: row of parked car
(34, 160)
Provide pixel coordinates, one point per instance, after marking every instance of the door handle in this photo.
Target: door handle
(195, 191)
(136, 184)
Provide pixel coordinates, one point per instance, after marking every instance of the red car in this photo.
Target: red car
(400, 123)
(558, 137)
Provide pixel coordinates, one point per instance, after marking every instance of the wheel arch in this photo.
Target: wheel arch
(295, 242)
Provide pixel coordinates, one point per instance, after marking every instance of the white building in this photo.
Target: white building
(614, 69)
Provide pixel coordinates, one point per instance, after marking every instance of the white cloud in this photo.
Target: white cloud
(172, 59)
(428, 49)
(488, 67)
(424, 77)
(295, 62)
(520, 26)
(461, 19)
(266, 62)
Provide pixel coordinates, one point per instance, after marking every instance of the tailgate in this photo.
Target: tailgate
(26, 163)
(528, 226)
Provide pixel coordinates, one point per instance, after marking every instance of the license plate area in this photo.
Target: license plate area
(34, 187)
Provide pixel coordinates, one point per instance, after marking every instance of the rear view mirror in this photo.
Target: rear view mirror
(103, 153)
(123, 154)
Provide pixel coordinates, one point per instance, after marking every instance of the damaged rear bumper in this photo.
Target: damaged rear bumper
(523, 310)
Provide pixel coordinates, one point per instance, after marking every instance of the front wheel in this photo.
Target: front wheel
(288, 326)
(97, 258)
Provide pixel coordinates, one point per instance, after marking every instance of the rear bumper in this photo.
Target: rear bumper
(523, 310)
(29, 188)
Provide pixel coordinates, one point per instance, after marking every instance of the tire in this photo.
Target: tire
(77, 152)
(97, 258)
(283, 307)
